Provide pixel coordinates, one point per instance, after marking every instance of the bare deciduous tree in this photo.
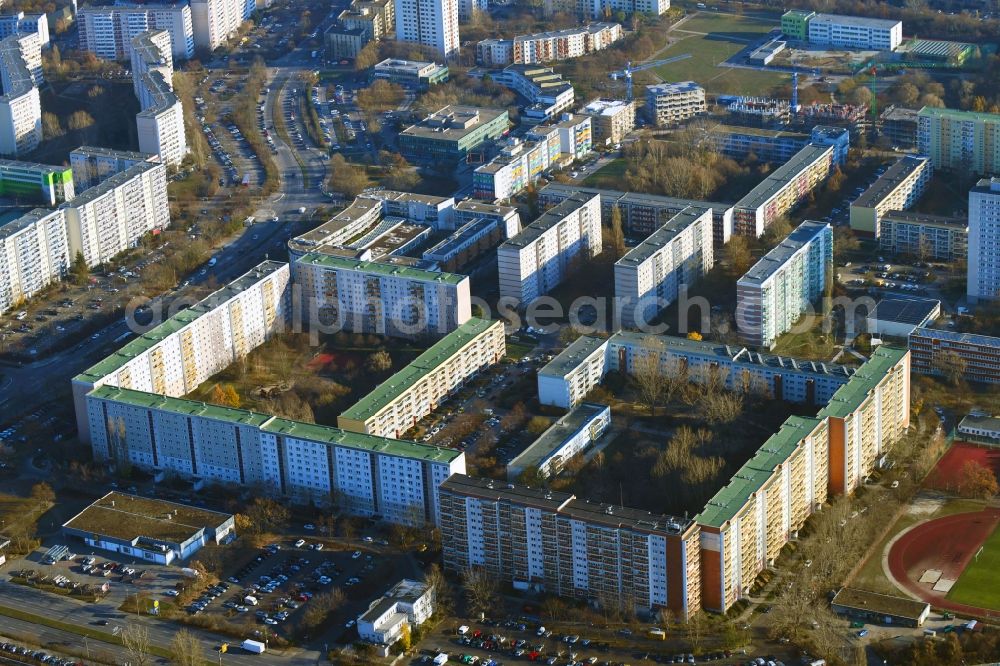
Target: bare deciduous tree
(135, 640)
(481, 589)
(186, 649)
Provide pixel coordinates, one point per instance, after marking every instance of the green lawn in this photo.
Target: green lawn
(979, 584)
(712, 39)
(608, 176)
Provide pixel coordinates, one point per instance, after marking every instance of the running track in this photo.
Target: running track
(947, 544)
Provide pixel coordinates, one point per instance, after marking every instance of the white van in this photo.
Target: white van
(463, 630)
(250, 600)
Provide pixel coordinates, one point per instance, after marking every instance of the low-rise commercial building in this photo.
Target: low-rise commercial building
(107, 30)
(783, 189)
(765, 54)
(897, 316)
(43, 183)
(399, 402)
(937, 352)
(980, 430)
(880, 608)
(652, 274)
(34, 253)
(643, 213)
(405, 605)
(612, 120)
(150, 530)
(567, 437)
(551, 541)
(670, 103)
(899, 188)
(546, 251)
(410, 73)
(962, 141)
(382, 298)
(451, 133)
(795, 24)
(925, 236)
(784, 284)
(160, 123)
(91, 165)
(113, 216)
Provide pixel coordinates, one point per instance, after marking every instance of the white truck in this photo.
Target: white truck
(441, 659)
(254, 647)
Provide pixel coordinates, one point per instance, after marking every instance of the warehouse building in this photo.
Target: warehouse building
(896, 316)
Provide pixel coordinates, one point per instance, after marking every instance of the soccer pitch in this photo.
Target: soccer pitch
(979, 584)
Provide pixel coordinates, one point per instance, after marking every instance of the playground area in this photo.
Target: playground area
(951, 562)
(947, 474)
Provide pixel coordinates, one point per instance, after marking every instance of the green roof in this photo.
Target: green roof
(158, 334)
(376, 268)
(850, 396)
(729, 501)
(959, 115)
(278, 426)
(386, 392)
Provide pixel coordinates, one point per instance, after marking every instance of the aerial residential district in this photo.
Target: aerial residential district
(493, 332)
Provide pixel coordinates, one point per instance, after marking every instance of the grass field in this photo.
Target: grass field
(979, 584)
(608, 176)
(712, 39)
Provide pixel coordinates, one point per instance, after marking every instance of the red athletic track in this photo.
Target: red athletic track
(947, 473)
(946, 544)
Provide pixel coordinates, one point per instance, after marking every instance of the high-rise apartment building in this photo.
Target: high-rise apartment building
(160, 123)
(960, 140)
(111, 217)
(108, 30)
(899, 188)
(398, 403)
(92, 164)
(467, 9)
(783, 189)
(433, 23)
(545, 252)
(382, 298)
(20, 105)
(20, 23)
(34, 253)
(47, 184)
(612, 120)
(652, 274)
(595, 9)
(215, 21)
(983, 280)
(779, 288)
(670, 103)
(554, 542)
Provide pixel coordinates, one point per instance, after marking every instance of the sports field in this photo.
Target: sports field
(712, 38)
(947, 474)
(979, 584)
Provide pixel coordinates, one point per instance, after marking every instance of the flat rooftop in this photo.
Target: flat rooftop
(861, 21)
(779, 179)
(889, 181)
(981, 422)
(439, 353)
(158, 334)
(925, 219)
(381, 269)
(14, 165)
(128, 517)
(849, 397)
(617, 197)
(956, 114)
(556, 435)
(880, 604)
(570, 358)
(112, 183)
(548, 220)
(17, 220)
(680, 87)
(461, 237)
(905, 309)
(565, 505)
(327, 435)
(469, 209)
(778, 257)
(757, 471)
(452, 123)
(662, 237)
(97, 151)
(986, 341)
(606, 107)
(762, 132)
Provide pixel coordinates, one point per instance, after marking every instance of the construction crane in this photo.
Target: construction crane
(629, 70)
